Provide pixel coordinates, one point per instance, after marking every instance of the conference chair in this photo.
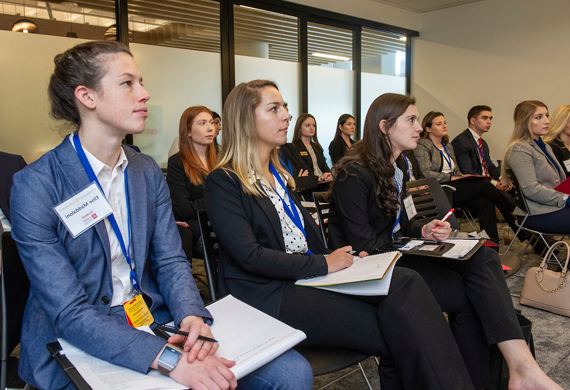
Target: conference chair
(322, 360)
(430, 200)
(523, 205)
(15, 291)
(323, 214)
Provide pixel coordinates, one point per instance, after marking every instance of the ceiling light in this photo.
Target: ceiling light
(331, 56)
(403, 38)
(69, 4)
(25, 26)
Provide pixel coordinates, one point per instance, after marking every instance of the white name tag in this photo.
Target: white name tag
(410, 207)
(567, 165)
(83, 210)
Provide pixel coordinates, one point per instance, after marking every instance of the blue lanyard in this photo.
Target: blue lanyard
(400, 209)
(410, 173)
(447, 159)
(290, 211)
(290, 169)
(111, 217)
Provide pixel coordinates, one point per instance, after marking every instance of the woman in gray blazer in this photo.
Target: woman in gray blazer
(537, 170)
(436, 159)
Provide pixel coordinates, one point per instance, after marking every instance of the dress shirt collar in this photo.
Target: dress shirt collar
(97, 165)
(474, 134)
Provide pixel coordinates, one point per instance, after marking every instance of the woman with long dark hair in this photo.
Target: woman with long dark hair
(367, 212)
(307, 143)
(267, 241)
(342, 141)
(122, 248)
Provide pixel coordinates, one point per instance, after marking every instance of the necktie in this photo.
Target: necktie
(485, 171)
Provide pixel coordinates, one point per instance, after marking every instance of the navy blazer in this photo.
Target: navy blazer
(253, 265)
(71, 281)
(9, 165)
(467, 155)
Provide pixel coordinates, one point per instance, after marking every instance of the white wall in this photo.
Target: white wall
(368, 9)
(494, 52)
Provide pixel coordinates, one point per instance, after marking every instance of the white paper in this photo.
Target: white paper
(246, 335)
(460, 247)
(364, 269)
(410, 207)
(411, 245)
(83, 210)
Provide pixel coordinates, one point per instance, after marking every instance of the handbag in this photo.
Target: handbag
(546, 289)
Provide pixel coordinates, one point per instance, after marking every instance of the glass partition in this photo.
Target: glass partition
(331, 79)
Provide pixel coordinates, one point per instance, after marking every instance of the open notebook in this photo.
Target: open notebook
(246, 335)
(370, 275)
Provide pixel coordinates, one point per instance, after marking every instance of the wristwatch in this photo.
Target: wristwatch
(169, 359)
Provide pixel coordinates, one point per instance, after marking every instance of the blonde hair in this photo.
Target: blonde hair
(558, 123)
(524, 112)
(239, 152)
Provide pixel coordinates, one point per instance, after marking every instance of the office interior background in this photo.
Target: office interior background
(449, 54)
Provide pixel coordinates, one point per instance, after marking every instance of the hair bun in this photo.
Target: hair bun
(58, 58)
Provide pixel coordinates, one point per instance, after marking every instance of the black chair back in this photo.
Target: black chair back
(430, 200)
(323, 213)
(15, 287)
(210, 242)
(519, 196)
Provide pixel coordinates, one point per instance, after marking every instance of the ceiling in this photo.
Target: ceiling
(195, 25)
(421, 6)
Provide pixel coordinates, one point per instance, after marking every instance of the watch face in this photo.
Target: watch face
(170, 356)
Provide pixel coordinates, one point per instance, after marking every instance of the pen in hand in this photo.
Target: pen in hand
(445, 218)
(181, 332)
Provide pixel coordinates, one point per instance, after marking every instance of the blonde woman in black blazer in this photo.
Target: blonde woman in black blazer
(263, 251)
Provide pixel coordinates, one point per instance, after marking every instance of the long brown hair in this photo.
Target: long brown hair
(341, 121)
(375, 150)
(193, 166)
(297, 132)
(428, 122)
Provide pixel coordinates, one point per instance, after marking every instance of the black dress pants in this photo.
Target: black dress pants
(406, 329)
(475, 295)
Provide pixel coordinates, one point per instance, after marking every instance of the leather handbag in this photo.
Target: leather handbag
(546, 289)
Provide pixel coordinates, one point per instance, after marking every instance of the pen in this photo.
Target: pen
(181, 332)
(445, 218)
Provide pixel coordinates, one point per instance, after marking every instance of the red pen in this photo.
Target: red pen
(445, 218)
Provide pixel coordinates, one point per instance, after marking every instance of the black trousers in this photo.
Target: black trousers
(476, 297)
(480, 194)
(555, 222)
(406, 329)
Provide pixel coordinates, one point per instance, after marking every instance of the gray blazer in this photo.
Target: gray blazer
(71, 282)
(537, 177)
(431, 161)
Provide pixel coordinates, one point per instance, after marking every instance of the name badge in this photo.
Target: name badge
(304, 153)
(83, 210)
(410, 207)
(137, 312)
(567, 165)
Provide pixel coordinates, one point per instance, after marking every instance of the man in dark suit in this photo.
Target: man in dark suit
(471, 150)
(9, 164)
(473, 156)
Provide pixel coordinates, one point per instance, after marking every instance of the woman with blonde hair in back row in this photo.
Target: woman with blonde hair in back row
(558, 136)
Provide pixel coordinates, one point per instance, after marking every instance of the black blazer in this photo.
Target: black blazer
(187, 198)
(561, 152)
(415, 166)
(303, 183)
(9, 164)
(338, 148)
(253, 265)
(304, 154)
(354, 215)
(467, 156)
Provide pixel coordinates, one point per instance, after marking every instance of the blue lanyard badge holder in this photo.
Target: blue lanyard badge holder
(136, 308)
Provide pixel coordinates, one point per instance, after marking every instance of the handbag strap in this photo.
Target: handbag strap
(540, 272)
